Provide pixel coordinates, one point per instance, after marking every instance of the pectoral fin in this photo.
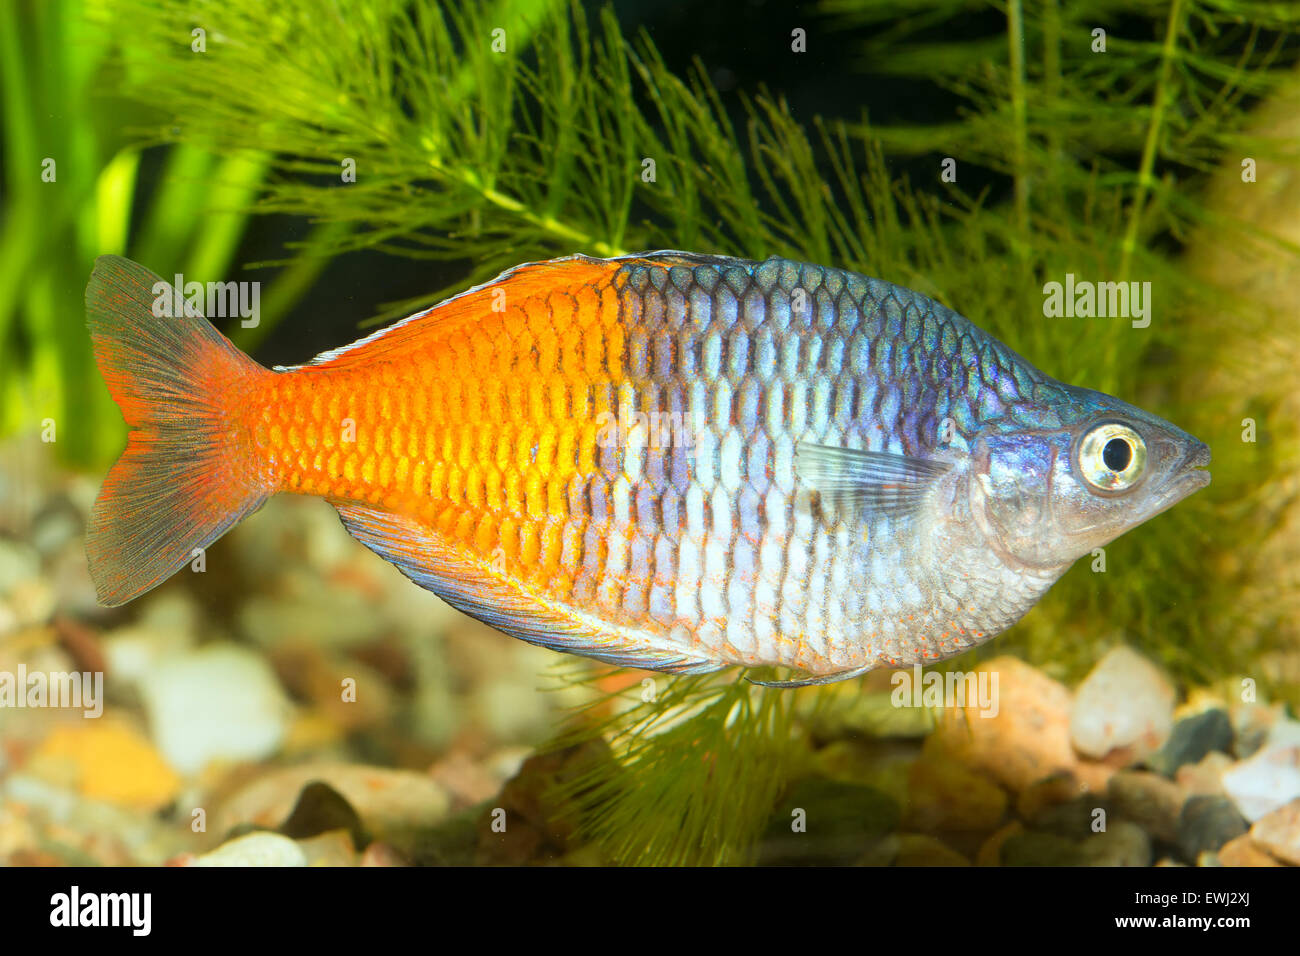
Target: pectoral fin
(878, 482)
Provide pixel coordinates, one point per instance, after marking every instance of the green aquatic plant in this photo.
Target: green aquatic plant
(499, 133)
(73, 177)
(682, 789)
(64, 184)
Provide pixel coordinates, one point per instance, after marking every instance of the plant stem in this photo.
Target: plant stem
(1016, 50)
(1151, 145)
(549, 224)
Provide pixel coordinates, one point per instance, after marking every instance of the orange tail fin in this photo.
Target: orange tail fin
(181, 483)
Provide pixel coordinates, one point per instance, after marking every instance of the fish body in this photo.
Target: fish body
(670, 461)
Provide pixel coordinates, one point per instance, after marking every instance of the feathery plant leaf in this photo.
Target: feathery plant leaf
(441, 176)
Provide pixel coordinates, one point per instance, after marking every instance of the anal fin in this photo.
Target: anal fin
(834, 678)
(475, 589)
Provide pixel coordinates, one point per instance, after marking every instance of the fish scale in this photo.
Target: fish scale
(667, 460)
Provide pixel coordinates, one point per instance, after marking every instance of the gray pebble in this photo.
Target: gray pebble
(1206, 823)
(1192, 738)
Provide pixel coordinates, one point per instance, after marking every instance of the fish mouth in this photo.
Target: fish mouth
(1198, 456)
(1189, 475)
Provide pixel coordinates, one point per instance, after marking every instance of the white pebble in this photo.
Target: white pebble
(221, 702)
(1268, 780)
(255, 849)
(1125, 701)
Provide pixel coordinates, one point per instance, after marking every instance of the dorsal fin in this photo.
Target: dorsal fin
(472, 587)
(472, 305)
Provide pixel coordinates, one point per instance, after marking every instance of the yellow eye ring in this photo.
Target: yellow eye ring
(1112, 457)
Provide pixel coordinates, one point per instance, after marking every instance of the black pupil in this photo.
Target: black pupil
(1117, 454)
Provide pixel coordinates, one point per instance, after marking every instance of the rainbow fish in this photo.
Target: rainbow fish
(669, 461)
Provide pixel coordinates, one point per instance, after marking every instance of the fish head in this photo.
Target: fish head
(1046, 496)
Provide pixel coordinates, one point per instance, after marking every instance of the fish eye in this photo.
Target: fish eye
(1112, 457)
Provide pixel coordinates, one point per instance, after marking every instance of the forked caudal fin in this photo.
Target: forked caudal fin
(182, 482)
